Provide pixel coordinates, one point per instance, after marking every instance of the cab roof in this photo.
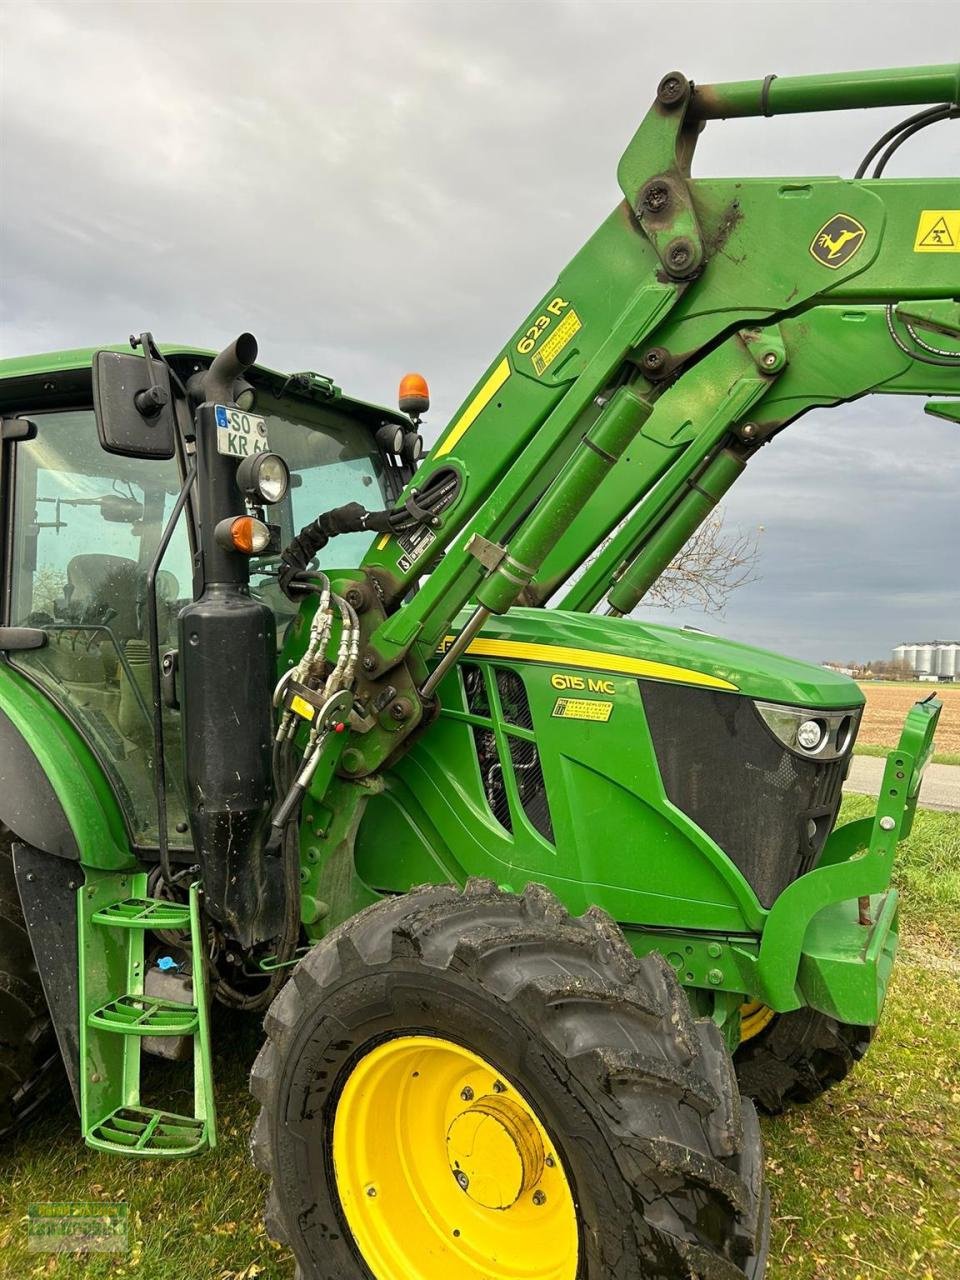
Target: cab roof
(62, 376)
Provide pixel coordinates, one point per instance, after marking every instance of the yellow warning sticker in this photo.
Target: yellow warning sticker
(301, 707)
(582, 709)
(551, 347)
(938, 231)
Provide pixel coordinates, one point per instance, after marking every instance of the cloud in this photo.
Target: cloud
(377, 187)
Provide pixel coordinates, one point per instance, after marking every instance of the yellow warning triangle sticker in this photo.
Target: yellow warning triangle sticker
(938, 231)
(939, 235)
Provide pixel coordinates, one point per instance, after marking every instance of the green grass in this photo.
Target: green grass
(865, 1182)
(874, 749)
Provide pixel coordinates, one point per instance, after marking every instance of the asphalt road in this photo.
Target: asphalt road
(941, 782)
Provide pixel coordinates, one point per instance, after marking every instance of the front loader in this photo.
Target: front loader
(529, 891)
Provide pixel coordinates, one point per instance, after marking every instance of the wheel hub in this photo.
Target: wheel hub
(495, 1151)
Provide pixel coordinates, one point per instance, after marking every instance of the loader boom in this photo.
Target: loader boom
(699, 320)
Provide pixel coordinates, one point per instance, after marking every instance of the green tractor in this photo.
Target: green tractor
(537, 900)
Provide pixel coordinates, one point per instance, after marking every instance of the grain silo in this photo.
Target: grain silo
(948, 661)
(925, 660)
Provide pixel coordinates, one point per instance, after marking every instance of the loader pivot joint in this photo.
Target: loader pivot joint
(673, 89)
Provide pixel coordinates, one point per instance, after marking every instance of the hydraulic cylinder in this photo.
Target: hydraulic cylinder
(597, 452)
(702, 494)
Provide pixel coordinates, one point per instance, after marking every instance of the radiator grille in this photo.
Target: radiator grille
(769, 809)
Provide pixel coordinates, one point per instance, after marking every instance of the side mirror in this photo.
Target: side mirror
(134, 405)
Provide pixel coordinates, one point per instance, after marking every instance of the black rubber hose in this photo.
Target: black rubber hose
(951, 113)
(930, 114)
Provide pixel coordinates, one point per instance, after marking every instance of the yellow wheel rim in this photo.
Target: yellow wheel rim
(754, 1016)
(445, 1172)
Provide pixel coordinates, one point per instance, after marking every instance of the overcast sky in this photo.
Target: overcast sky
(374, 187)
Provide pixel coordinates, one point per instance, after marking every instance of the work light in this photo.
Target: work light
(264, 477)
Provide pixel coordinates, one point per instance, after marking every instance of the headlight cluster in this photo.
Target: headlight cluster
(823, 734)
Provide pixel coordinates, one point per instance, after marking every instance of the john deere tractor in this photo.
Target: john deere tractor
(530, 892)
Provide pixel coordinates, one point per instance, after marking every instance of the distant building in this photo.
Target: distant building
(933, 660)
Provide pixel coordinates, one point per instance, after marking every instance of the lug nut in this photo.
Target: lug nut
(467, 1094)
(539, 1198)
(463, 1182)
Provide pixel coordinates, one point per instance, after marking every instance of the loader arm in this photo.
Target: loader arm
(701, 318)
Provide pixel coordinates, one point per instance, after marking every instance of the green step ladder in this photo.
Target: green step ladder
(113, 916)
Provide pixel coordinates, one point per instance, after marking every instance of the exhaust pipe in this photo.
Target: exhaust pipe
(228, 661)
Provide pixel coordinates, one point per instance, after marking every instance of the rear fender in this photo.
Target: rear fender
(53, 793)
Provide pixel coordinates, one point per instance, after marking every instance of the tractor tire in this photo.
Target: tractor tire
(653, 1164)
(31, 1068)
(797, 1057)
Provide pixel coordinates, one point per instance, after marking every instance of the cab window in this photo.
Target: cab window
(86, 528)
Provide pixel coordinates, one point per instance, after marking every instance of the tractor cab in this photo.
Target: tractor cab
(84, 525)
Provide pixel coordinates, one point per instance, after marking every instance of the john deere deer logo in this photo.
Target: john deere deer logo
(838, 240)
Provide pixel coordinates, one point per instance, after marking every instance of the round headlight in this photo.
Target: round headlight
(264, 477)
(810, 735)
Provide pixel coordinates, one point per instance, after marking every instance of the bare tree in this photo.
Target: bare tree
(712, 565)
(48, 585)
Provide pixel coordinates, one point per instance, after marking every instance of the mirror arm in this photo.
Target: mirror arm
(150, 401)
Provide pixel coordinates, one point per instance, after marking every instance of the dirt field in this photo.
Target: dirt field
(888, 704)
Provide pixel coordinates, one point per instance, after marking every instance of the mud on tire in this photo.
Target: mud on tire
(798, 1057)
(30, 1064)
(666, 1165)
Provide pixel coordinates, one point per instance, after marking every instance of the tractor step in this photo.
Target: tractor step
(144, 1131)
(145, 1016)
(118, 1017)
(144, 913)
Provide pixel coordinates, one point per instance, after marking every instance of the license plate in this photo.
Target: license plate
(239, 434)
